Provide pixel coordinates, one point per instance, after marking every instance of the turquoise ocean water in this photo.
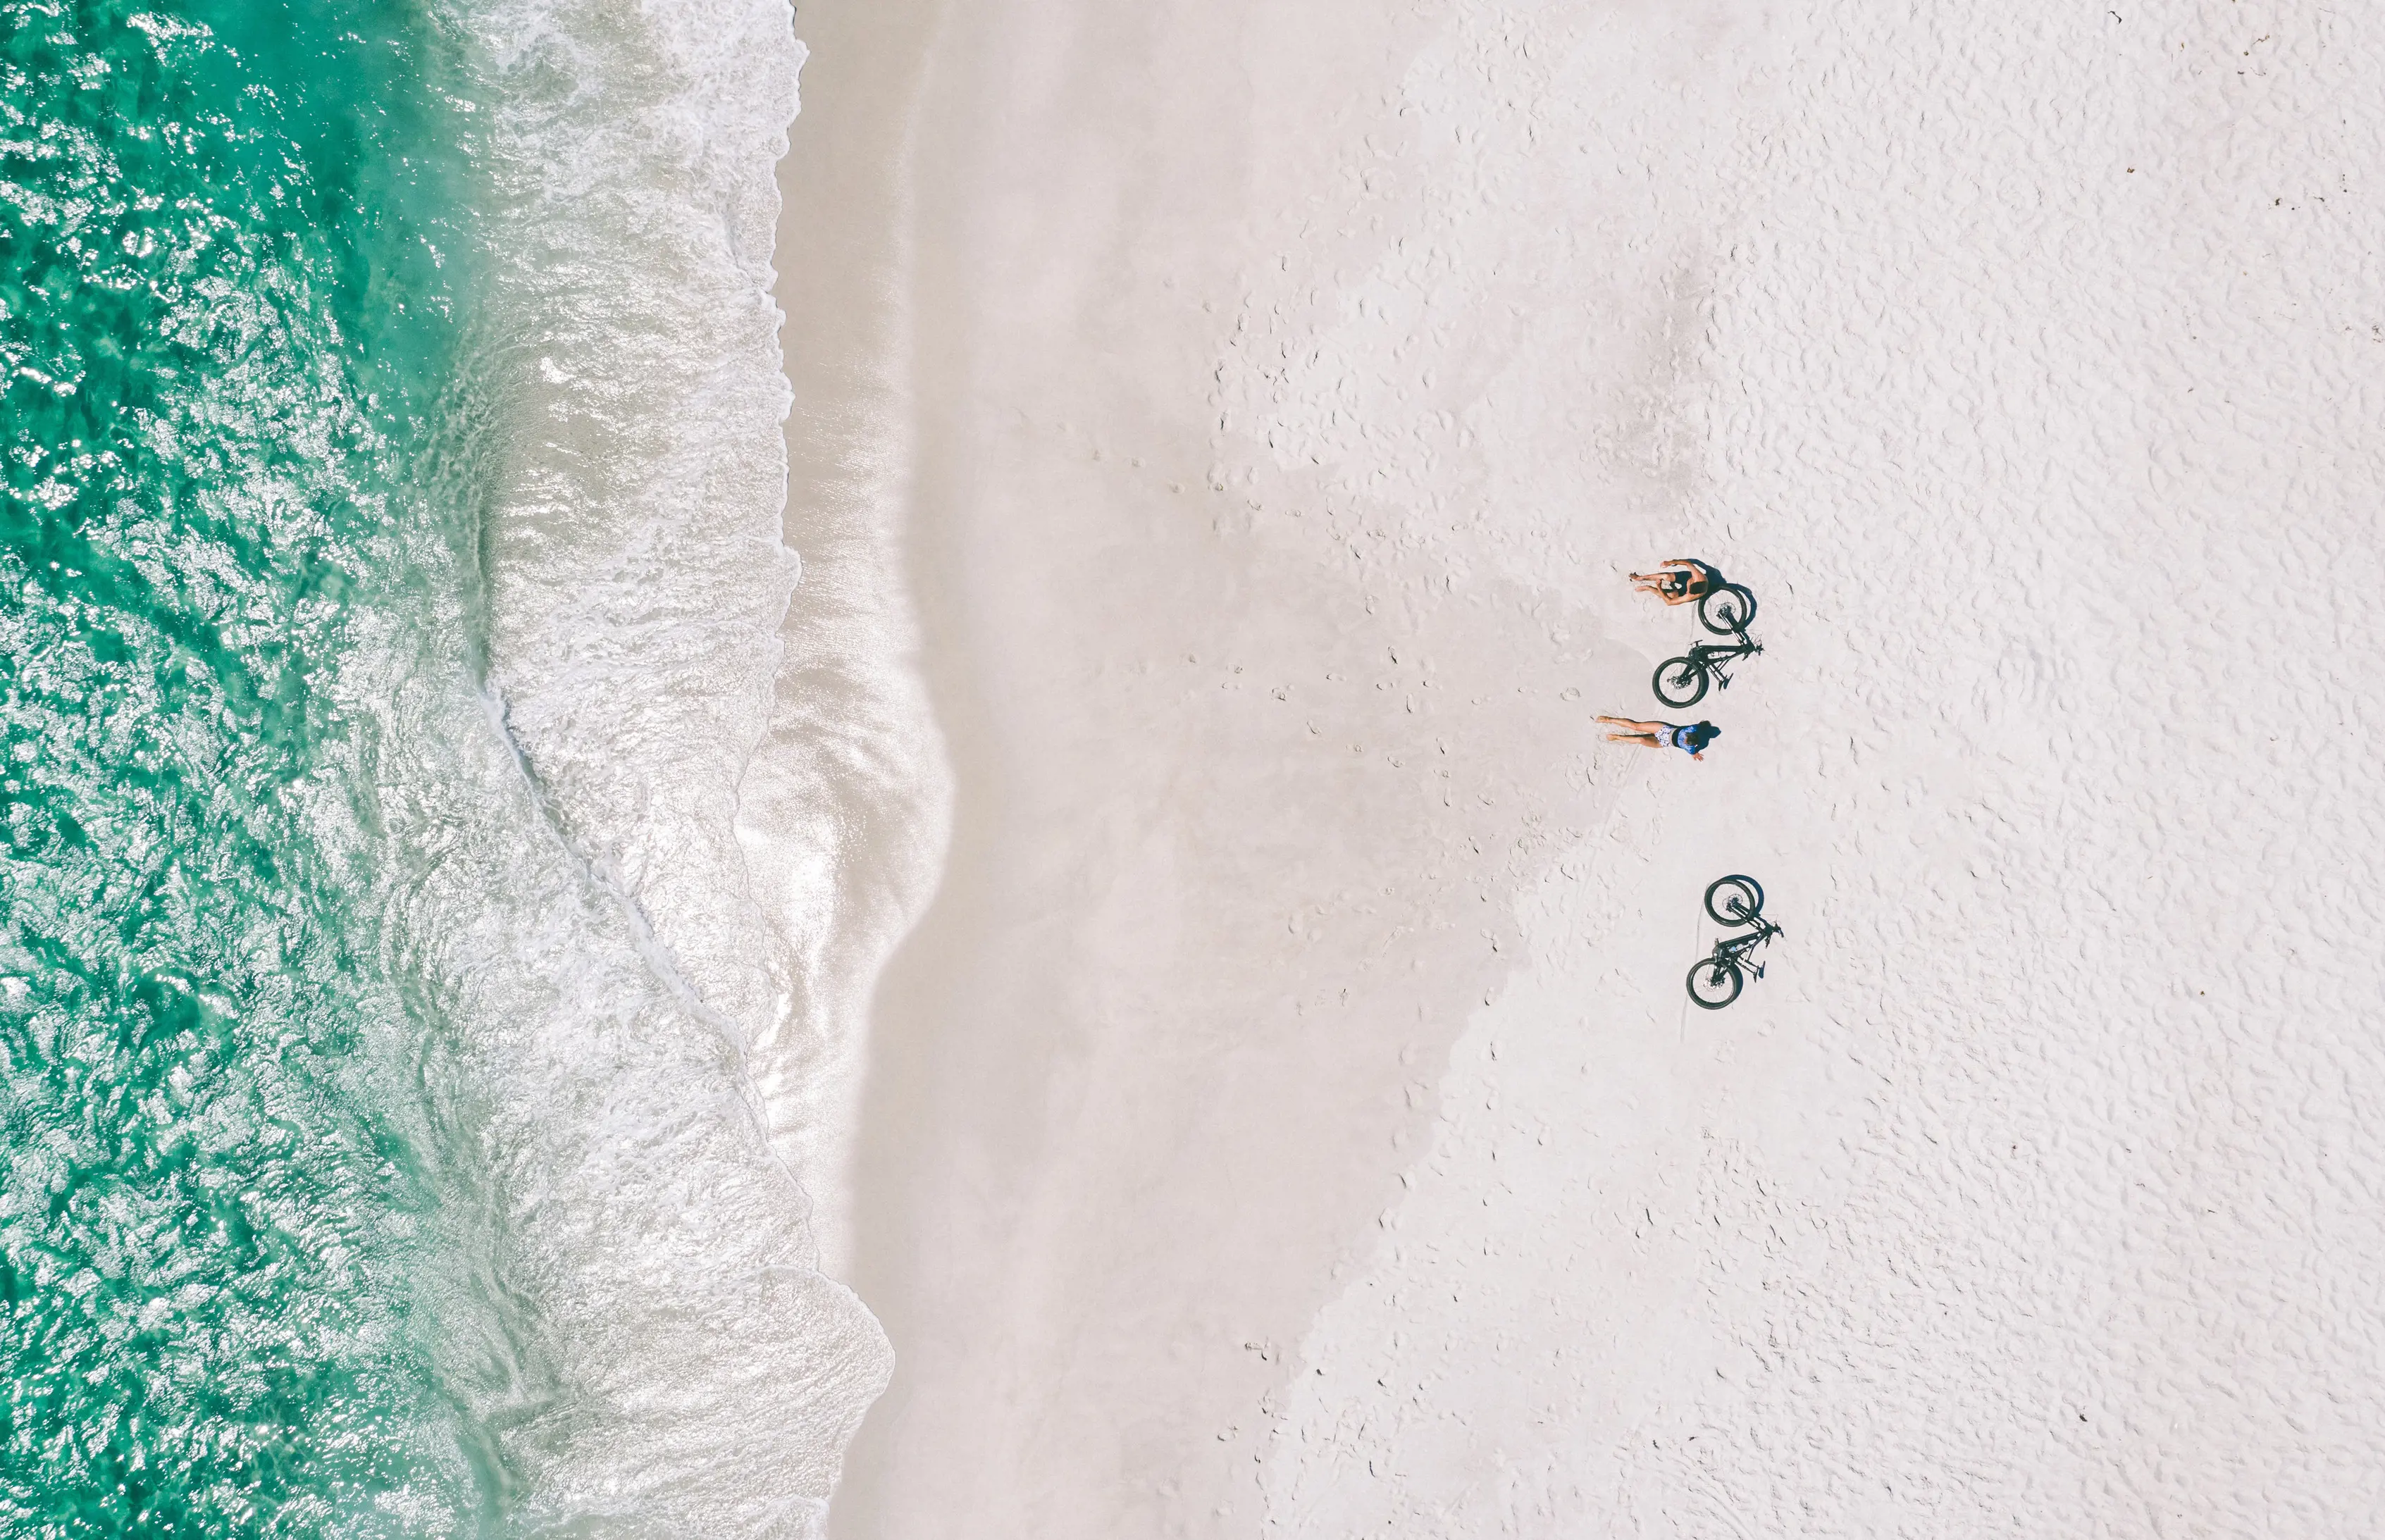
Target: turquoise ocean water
(341, 1087)
(227, 329)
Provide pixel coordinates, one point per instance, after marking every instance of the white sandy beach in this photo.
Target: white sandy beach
(1286, 1117)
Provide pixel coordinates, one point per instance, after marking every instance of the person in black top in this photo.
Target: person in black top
(1682, 580)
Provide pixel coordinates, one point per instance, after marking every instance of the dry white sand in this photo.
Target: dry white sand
(1287, 1119)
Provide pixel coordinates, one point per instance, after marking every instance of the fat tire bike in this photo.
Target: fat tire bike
(1727, 610)
(1716, 980)
(1682, 681)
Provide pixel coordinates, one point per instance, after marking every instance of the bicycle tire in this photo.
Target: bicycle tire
(1691, 684)
(1726, 610)
(1725, 983)
(1741, 905)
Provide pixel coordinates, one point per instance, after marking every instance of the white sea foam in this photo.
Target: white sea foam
(636, 572)
(639, 926)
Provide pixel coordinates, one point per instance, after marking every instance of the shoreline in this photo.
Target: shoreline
(845, 837)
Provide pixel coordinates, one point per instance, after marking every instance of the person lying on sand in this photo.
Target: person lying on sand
(1679, 581)
(1692, 740)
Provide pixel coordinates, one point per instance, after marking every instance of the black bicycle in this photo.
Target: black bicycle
(1716, 980)
(1682, 681)
(1726, 610)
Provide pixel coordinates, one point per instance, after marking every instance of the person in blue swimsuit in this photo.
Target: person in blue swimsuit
(1692, 740)
(1682, 580)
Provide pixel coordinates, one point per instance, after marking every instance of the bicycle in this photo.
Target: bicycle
(1723, 975)
(1726, 610)
(1682, 681)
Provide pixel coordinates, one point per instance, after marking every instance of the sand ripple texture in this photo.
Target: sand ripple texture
(2036, 377)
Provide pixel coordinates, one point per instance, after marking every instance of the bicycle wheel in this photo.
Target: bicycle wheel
(1680, 681)
(1715, 983)
(1727, 610)
(1734, 900)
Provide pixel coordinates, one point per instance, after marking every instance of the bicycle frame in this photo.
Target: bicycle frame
(1710, 656)
(1735, 949)
(1701, 668)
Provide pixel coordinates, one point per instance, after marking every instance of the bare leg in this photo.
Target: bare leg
(1646, 740)
(1661, 582)
(1648, 729)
